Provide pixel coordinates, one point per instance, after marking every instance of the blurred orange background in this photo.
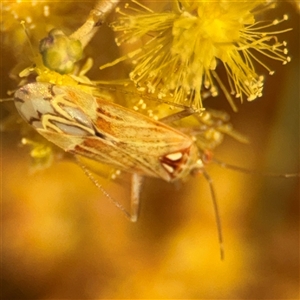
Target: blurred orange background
(62, 239)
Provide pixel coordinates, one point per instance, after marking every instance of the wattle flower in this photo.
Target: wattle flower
(184, 47)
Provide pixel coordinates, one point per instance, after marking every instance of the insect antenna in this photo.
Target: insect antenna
(88, 173)
(254, 172)
(217, 213)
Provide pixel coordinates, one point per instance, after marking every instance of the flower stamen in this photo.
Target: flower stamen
(184, 47)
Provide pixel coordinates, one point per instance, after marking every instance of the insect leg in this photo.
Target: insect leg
(88, 173)
(136, 182)
(216, 209)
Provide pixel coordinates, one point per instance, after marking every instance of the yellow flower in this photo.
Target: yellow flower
(56, 66)
(185, 45)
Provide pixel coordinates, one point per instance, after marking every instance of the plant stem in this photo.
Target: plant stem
(95, 19)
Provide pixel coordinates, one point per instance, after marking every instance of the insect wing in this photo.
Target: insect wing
(145, 141)
(129, 140)
(82, 124)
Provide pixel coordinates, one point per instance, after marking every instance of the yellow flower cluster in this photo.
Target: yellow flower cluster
(183, 48)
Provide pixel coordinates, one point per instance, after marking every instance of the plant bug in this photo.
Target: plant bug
(89, 126)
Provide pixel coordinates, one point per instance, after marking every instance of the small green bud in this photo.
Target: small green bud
(59, 52)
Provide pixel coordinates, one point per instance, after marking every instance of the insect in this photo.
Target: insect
(89, 126)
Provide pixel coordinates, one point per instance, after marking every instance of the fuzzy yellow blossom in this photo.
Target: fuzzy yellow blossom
(55, 64)
(184, 46)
